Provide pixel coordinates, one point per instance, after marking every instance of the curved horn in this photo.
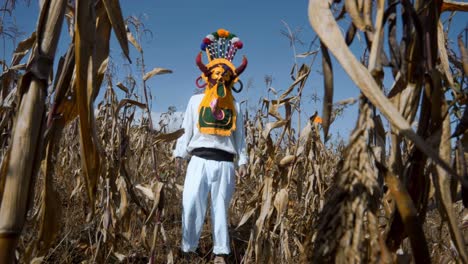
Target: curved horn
(241, 68)
(202, 66)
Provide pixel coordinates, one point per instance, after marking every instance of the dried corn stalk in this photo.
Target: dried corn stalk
(26, 150)
(347, 230)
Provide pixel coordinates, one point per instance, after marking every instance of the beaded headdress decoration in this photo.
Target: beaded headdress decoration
(217, 113)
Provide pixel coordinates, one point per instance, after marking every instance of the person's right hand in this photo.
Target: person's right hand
(242, 170)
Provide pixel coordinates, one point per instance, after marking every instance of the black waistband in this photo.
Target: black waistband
(213, 154)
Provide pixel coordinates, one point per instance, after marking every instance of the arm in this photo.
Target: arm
(239, 137)
(183, 142)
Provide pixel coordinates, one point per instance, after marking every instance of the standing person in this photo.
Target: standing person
(214, 138)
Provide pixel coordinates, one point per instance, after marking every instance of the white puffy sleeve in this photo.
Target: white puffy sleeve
(239, 138)
(187, 124)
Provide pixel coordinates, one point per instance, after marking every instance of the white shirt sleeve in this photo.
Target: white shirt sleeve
(184, 140)
(239, 138)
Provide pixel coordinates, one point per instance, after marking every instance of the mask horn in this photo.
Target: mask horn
(241, 67)
(202, 66)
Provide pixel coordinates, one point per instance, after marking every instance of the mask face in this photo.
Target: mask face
(217, 73)
(220, 74)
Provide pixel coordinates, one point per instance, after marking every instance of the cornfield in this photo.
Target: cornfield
(81, 181)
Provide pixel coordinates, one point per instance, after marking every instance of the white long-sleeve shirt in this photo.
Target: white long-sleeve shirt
(192, 138)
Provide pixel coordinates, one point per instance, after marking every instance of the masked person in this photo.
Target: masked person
(215, 142)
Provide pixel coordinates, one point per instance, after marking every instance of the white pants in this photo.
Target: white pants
(204, 176)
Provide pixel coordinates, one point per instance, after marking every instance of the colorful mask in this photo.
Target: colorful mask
(217, 113)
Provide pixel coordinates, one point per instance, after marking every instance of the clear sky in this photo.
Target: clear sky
(178, 27)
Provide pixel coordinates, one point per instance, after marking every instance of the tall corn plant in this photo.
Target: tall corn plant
(85, 64)
(26, 149)
(348, 224)
(420, 68)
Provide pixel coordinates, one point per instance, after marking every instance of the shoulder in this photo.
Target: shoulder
(195, 99)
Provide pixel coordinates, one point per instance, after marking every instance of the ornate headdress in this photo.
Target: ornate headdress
(217, 114)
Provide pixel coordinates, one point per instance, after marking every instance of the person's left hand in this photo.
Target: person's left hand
(242, 170)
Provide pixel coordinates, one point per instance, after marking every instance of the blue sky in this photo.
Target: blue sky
(178, 28)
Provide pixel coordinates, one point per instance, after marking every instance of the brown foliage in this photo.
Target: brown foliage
(97, 186)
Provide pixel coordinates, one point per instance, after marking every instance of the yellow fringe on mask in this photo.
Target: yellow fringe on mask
(227, 102)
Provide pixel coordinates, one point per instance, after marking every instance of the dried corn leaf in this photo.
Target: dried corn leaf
(3, 172)
(37, 260)
(353, 11)
(18, 67)
(23, 48)
(65, 70)
(305, 138)
(267, 196)
(101, 56)
(6, 78)
(123, 207)
(448, 5)
(327, 107)
(409, 215)
(170, 257)
(246, 216)
(68, 108)
(302, 77)
(63, 83)
(125, 102)
(285, 161)
(464, 54)
(273, 106)
(114, 13)
(306, 54)
(393, 45)
(49, 214)
(273, 125)
(350, 33)
(375, 64)
(99, 76)
(134, 41)
(122, 87)
(146, 190)
(442, 185)
(462, 164)
(443, 55)
(158, 200)
(280, 203)
(273, 90)
(120, 257)
(77, 185)
(85, 76)
(155, 71)
(167, 137)
(367, 12)
(106, 222)
(322, 20)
